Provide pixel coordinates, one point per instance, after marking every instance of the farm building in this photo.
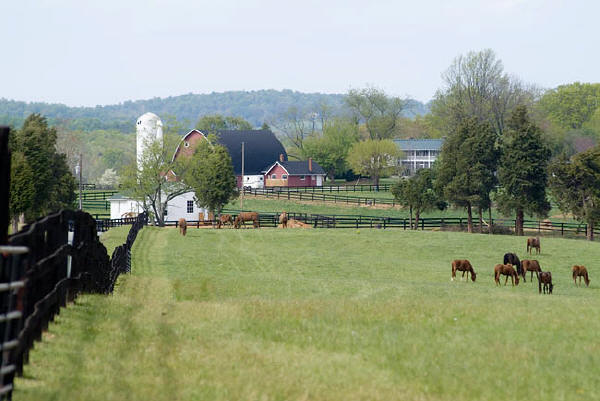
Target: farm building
(418, 153)
(262, 153)
(305, 173)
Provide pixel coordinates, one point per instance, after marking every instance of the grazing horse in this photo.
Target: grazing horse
(513, 259)
(463, 265)
(581, 271)
(533, 243)
(283, 219)
(182, 226)
(505, 270)
(545, 278)
(246, 216)
(224, 219)
(530, 266)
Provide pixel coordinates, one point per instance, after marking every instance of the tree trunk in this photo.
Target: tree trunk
(590, 231)
(15, 224)
(469, 218)
(410, 219)
(376, 180)
(519, 223)
(480, 212)
(417, 214)
(490, 225)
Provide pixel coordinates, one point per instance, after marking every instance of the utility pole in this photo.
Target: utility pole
(242, 197)
(80, 183)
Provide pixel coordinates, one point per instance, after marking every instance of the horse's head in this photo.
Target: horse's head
(550, 287)
(473, 275)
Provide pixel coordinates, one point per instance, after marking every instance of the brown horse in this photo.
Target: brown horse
(533, 243)
(464, 266)
(508, 271)
(545, 279)
(581, 271)
(224, 219)
(530, 266)
(246, 216)
(283, 219)
(182, 226)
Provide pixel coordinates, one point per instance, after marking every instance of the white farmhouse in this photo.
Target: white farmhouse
(418, 153)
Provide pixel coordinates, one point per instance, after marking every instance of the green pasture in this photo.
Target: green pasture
(273, 314)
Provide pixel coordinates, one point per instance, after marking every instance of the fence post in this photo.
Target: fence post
(422, 224)
(404, 223)
(562, 229)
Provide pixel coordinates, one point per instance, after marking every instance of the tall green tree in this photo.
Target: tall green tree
(216, 122)
(379, 112)
(418, 194)
(374, 158)
(53, 183)
(523, 169)
(575, 185)
(331, 148)
(211, 176)
(22, 188)
(467, 165)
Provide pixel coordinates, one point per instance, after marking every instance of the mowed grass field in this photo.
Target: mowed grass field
(325, 315)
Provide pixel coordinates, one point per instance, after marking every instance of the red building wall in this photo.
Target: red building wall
(295, 181)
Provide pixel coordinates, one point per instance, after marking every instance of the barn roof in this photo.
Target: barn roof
(261, 148)
(419, 144)
(299, 168)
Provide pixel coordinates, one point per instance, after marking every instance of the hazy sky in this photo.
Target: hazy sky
(82, 52)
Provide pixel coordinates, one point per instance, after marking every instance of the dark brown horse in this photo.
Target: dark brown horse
(464, 266)
(224, 219)
(530, 266)
(246, 216)
(283, 219)
(581, 271)
(508, 271)
(513, 259)
(533, 243)
(545, 282)
(182, 226)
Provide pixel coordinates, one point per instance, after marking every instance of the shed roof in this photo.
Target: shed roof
(299, 168)
(419, 144)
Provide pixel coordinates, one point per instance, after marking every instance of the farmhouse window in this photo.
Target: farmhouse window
(186, 144)
(274, 176)
(190, 206)
(284, 177)
(302, 177)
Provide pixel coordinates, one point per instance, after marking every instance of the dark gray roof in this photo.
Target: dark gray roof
(261, 148)
(419, 144)
(301, 168)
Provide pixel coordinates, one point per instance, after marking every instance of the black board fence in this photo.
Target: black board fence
(44, 266)
(285, 193)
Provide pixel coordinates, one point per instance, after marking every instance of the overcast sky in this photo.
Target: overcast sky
(81, 52)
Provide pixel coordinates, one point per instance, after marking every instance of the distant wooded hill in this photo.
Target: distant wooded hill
(255, 106)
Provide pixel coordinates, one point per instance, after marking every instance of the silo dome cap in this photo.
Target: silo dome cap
(149, 118)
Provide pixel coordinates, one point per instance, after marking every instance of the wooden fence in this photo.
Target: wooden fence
(293, 194)
(339, 188)
(46, 265)
(270, 219)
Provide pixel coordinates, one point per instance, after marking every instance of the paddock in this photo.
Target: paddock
(325, 314)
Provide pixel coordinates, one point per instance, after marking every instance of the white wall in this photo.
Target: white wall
(120, 206)
(177, 208)
(254, 181)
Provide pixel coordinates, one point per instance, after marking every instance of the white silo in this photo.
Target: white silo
(148, 129)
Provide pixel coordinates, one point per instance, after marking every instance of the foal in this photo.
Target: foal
(533, 243)
(545, 278)
(505, 270)
(182, 226)
(531, 266)
(580, 271)
(463, 265)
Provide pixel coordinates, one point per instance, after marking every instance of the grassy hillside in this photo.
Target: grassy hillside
(324, 315)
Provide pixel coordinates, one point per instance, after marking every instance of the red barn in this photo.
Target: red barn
(305, 173)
